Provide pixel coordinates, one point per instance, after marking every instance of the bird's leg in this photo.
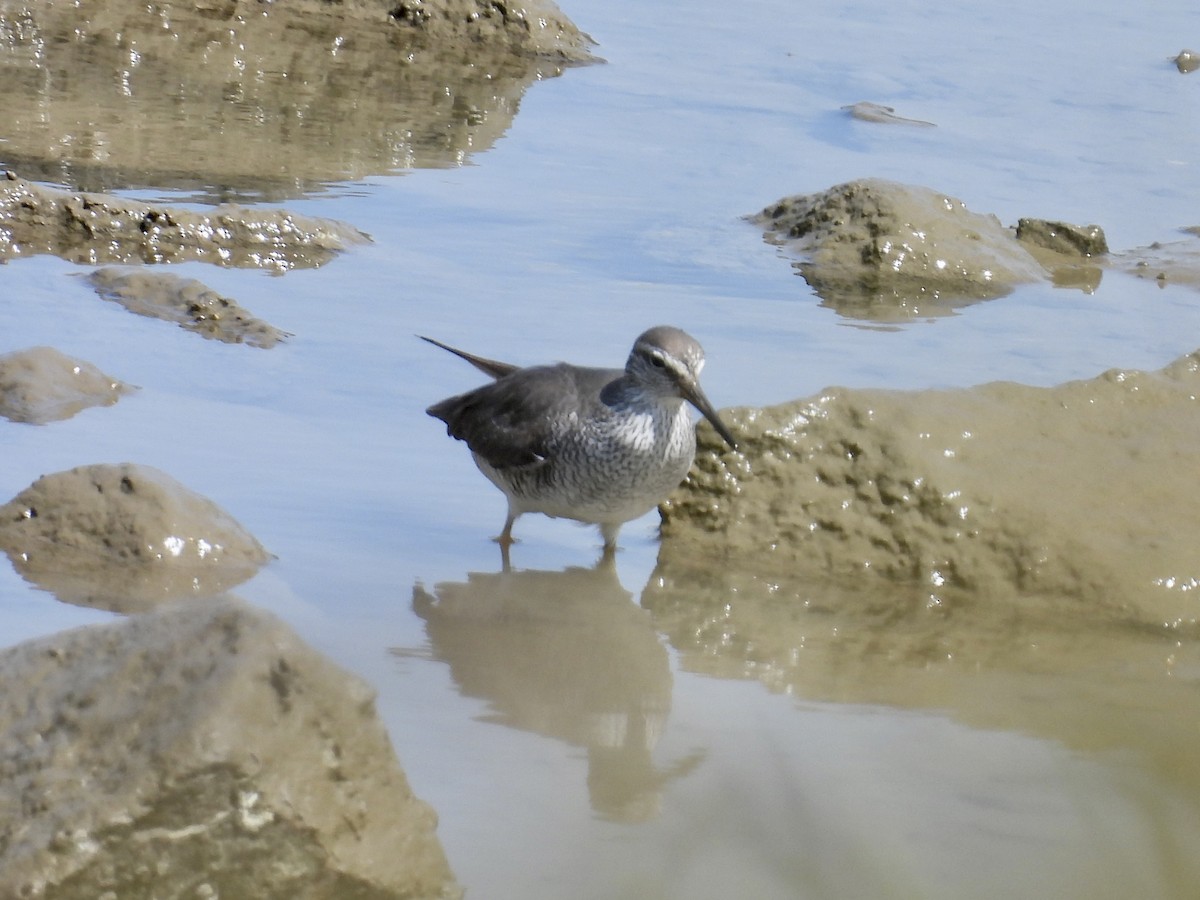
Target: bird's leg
(609, 533)
(608, 559)
(505, 538)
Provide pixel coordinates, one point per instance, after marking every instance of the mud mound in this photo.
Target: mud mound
(202, 751)
(871, 248)
(98, 228)
(41, 385)
(1082, 494)
(125, 538)
(189, 303)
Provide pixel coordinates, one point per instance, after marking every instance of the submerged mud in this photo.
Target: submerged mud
(188, 303)
(1169, 263)
(124, 538)
(41, 385)
(202, 751)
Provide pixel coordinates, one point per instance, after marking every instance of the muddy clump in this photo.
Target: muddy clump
(202, 751)
(189, 303)
(1062, 238)
(97, 229)
(241, 99)
(1073, 256)
(41, 385)
(1076, 501)
(877, 249)
(125, 538)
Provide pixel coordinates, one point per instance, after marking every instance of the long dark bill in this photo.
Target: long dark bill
(695, 396)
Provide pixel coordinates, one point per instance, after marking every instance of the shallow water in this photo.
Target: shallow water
(613, 202)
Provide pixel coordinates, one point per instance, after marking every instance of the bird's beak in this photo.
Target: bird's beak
(694, 395)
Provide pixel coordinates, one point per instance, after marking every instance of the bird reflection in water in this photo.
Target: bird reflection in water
(569, 656)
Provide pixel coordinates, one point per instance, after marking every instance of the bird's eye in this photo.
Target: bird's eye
(657, 362)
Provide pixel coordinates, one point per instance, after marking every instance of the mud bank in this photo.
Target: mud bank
(124, 538)
(202, 751)
(878, 250)
(188, 303)
(1022, 558)
(96, 229)
(235, 98)
(41, 385)
(1077, 501)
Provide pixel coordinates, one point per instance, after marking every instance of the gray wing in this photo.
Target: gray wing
(510, 422)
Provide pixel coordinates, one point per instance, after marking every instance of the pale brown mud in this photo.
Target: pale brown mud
(41, 385)
(881, 251)
(98, 228)
(1024, 558)
(237, 97)
(1169, 263)
(202, 751)
(186, 302)
(124, 538)
(876, 249)
(1186, 61)
(1082, 494)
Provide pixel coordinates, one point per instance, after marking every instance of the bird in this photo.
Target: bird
(600, 446)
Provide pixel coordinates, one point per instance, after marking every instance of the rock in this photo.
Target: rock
(877, 249)
(1077, 502)
(125, 538)
(97, 228)
(188, 302)
(41, 385)
(202, 751)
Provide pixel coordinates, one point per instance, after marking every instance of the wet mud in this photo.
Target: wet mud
(186, 302)
(97, 229)
(247, 100)
(41, 385)
(876, 249)
(253, 767)
(1021, 557)
(1066, 498)
(125, 538)
(881, 251)
(1169, 263)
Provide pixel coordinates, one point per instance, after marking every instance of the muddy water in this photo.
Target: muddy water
(648, 733)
